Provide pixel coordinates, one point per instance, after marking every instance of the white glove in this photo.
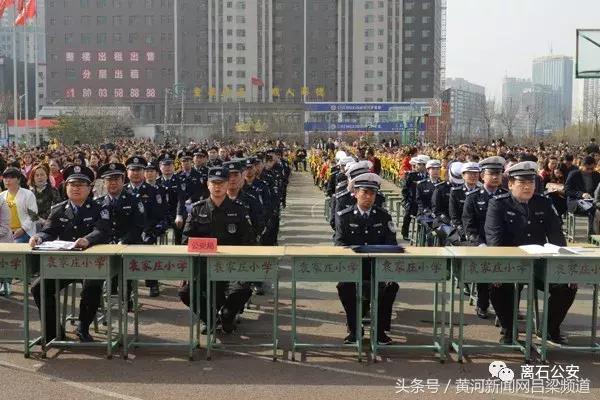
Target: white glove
(179, 221)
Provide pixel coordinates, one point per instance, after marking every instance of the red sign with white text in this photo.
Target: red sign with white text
(202, 245)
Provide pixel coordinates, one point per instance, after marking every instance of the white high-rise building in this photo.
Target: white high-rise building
(590, 110)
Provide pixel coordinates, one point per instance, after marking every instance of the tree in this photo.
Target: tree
(508, 116)
(6, 108)
(488, 113)
(83, 126)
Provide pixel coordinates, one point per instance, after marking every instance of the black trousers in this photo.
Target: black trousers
(387, 295)
(408, 212)
(272, 232)
(230, 297)
(91, 296)
(483, 295)
(560, 300)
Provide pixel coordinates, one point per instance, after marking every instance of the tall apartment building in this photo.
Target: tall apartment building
(557, 73)
(591, 100)
(467, 102)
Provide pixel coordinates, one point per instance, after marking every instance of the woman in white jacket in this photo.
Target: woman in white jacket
(22, 211)
(5, 237)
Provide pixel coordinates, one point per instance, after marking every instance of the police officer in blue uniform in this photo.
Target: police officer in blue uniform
(227, 221)
(273, 180)
(470, 172)
(365, 223)
(409, 191)
(85, 222)
(153, 203)
(426, 187)
(518, 218)
(474, 214)
(440, 200)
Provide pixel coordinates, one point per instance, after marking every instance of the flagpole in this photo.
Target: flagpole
(37, 97)
(15, 72)
(26, 81)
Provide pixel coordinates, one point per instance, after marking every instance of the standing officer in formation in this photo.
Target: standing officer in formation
(474, 214)
(153, 203)
(409, 191)
(87, 223)
(173, 188)
(470, 172)
(440, 200)
(426, 187)
(365, 223)
(518, 218)
(227, 221)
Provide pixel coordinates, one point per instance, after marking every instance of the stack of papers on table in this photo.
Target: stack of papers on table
(56, 245)
(550, 248)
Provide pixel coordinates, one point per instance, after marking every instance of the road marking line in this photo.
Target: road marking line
(91, 389)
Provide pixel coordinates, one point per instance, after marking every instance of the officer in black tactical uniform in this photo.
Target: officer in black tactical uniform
(361, 224)
(85, 222)
(523, 217)
(227, 221)
(174, 189)
(273, 179)
(473, 217)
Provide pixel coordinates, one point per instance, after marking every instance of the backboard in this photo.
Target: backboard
(587, 62)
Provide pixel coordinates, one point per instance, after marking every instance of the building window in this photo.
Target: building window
(68, 38)
(425, 47)
(369, 46)
(229, 60)
(369, 19)
(149, 20)
(240, 33)
(369, 5)
(408, 61)
(149, 3)
(424, 88)
(425, 74)
(426, 5)
(86, 38)
(409, 33)
(133, 37)
(409, 47)
(240, 74)
(409, 19)
(408, 88)
(369, 87)
(68, 20)
(369, 32)
(101, 3)
(240, 60)
(84, 3)
(408, 74)
(240, 46)
(101, 38)
(229, 74)
(369, 60)
(70, 73)
(86, 20)
(149, 39)
(240, 19)
(229, 32)
(426, 19)
(426, 33)
(229, 46)
(409, 5)
(117, 20)
(101, 20)
(424, 61)
(369, 73)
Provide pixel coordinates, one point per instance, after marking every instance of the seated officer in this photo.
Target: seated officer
(85, 222)
(361, 224)
(228, 221)
(518, 218)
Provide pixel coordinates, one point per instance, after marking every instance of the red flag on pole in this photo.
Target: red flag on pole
(256, 81)
(4, 4)
(26, 11)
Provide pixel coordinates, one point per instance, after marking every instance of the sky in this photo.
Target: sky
(487, 40)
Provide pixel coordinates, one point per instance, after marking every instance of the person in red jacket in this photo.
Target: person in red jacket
(376, 168)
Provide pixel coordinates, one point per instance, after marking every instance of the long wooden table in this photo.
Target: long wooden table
(492, 265)
(17, 261)
(165, 263)
(415, 265)
(246, 264)
(100, 262)
(326, 264)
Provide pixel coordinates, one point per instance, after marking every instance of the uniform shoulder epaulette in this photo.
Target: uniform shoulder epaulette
(473, 191)
(341, 194)
(58, 205)
(440, 184)
(344, 211)
(502, 196)
(241, 203)
(198, 202)
(380, 209)
(456, 188)
(421, 181)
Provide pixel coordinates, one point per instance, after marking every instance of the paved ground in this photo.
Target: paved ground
(167, 374)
